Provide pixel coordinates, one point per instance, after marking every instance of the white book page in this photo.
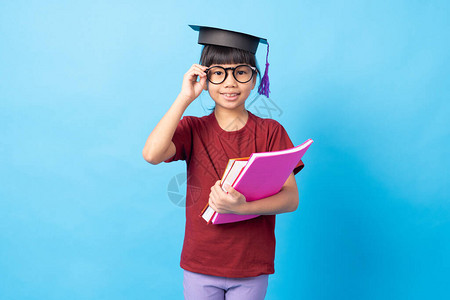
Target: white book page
(208, 214)
(234, 172)
(230, 163)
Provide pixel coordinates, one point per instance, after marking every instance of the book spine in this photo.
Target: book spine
(212, 218)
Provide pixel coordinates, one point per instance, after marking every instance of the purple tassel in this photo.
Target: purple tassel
(264, 85)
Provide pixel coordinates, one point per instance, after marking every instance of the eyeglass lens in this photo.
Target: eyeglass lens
(218, 74)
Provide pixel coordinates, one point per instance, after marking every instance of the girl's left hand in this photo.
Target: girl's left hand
(231, 203)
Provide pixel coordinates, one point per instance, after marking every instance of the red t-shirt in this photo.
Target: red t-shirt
(240, 249)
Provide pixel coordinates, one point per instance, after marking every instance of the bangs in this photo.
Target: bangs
(218, 55)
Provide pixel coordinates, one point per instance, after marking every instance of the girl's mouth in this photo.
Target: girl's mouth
(230, 96)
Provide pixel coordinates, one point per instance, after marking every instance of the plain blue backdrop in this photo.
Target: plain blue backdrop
(83, 83)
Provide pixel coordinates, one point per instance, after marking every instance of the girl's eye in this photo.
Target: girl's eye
(218, 73)
(241, 72)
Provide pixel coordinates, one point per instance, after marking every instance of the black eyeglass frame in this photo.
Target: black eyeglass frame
(254, 70)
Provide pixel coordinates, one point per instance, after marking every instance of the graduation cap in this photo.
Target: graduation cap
(233, 39)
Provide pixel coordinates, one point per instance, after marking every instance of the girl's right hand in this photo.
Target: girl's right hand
(192, 88)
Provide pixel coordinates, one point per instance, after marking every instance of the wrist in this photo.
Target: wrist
(245, 208)
(184, 100)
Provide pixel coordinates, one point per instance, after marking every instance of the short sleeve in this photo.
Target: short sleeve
(279, 140)
(182, 138)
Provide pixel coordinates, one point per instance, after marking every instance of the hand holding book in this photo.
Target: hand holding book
(229, 201)
(259, 176)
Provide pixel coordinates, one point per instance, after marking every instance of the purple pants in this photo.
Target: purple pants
(201, 287)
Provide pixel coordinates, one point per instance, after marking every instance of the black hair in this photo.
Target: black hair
(212, 54)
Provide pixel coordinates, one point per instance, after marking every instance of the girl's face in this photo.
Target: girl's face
(230, 94)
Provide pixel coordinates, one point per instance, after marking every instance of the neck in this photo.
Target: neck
(231, 120)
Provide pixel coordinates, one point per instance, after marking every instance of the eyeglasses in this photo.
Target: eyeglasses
(242, 74)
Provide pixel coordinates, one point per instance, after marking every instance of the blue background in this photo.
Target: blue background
(83, 83)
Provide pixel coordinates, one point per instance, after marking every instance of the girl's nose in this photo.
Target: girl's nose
(230, 81)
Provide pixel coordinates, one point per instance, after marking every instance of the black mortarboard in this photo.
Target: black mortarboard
(221, 37)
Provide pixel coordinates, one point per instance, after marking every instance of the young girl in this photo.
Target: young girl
(227, 261)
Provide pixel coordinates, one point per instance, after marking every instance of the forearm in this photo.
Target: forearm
(284, 201)
(160, 138)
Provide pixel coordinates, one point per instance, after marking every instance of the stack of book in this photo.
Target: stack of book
(259, 176)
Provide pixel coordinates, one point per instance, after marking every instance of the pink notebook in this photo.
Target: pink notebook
(263, 175)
